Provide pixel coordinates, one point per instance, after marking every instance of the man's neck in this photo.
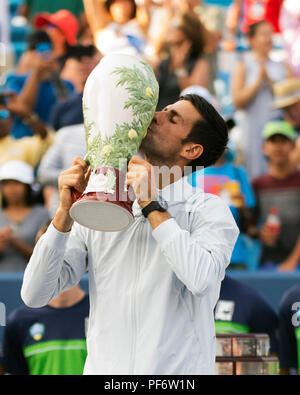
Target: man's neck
(281, 171)
(168, 174)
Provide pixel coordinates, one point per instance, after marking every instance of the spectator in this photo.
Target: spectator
(69, 143)
(50, 340)
(30, 8)
(253, 11)
(26, 149)
(252, 90)
(62, 27)
(279, 188)
(230, 182)
(289, 335)
(37, 40)
(287, 99)
(185, 65)
(20, 217)
(81, 61)
(38, 89)
(210, 27)
(213, 20)
(242, 309)
(118, 25)
(290, 26)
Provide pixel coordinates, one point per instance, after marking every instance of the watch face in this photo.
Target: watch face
(163, 203)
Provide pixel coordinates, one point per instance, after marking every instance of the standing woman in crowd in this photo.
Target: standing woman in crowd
(252, 91)
(20, 217)
(184, 66)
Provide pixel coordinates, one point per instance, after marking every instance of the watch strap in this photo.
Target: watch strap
(153, 206)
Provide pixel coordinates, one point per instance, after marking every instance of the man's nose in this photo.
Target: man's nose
(159, 117)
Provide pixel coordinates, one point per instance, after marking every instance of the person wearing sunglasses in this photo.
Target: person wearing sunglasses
(184, 66)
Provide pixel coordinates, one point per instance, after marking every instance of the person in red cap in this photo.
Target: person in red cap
(62, 28)
(252, 11)
(30, 8)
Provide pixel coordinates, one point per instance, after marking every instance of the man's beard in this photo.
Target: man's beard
(155, 155)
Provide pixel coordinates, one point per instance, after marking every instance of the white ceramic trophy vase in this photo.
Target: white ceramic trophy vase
(119, 102)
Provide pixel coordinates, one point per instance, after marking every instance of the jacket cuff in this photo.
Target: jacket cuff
(165, 232)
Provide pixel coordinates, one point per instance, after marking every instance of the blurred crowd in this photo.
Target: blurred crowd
(243, 56)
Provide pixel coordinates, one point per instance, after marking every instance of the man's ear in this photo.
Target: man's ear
(192, 151)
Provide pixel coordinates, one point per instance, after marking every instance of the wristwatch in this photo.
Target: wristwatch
(156, 205)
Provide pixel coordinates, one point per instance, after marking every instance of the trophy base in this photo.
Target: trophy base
(105, 216)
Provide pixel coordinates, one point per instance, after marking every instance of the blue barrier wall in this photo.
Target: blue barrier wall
(272, 285)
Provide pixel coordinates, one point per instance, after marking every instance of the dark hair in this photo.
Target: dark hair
(108, 4)
(211, 132)
(37, 37)
(193, 29)
(29, 198)
(252, 29)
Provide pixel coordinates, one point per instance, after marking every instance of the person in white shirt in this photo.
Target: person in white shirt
(69, 142)
(118, 25)
(154, 286)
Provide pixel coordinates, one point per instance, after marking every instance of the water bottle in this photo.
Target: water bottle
(273, 221)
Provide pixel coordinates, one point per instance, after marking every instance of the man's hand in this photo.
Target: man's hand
(77, 177)
(141, 177)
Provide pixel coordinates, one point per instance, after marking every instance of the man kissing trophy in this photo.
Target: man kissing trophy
(119, 102)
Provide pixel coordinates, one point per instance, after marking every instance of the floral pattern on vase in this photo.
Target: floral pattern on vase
(119, 103)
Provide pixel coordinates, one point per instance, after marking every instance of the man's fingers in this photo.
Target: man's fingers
(87, 175)
(137, 160)
(76, 181)
(80, 162)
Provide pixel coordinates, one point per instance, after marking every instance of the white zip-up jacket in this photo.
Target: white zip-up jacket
(152, 292)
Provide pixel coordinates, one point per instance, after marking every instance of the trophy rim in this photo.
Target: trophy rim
(74, 210)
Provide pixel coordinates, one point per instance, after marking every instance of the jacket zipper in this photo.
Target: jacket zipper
(133, 304)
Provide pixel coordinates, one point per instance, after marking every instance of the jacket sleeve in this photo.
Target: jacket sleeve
(200, 255)
(58, 262)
